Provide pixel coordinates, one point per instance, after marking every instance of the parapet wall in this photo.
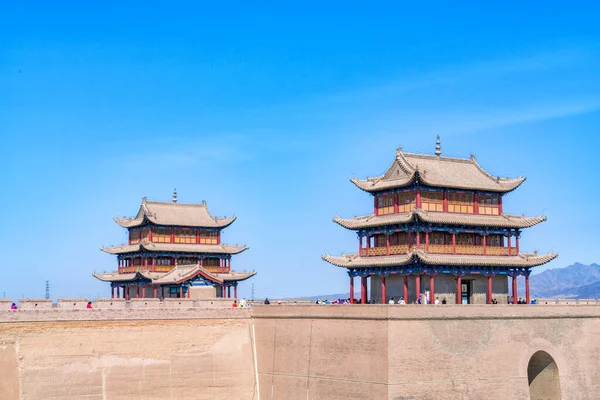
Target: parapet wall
(126, 353)
(423, 352)
(173, 351)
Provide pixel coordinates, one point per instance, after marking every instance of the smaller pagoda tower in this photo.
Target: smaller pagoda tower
(174, 249)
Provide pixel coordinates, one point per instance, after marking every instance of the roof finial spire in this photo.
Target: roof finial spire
(174, 195)
(438, 147)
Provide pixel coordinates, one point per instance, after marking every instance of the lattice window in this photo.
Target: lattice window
(144, 234)
(134, 236)
(380, 241)
(441, 238)
(187, 260)
(489, 205)
(137, 261)
(466, 239)
(208, 237)
(385, 204)
(494, 241)
(460, 203)
(406, 202)
(432, 201)
(398, 238)
(210, 262)
(161, 235)
(184, 236)
(163, 261)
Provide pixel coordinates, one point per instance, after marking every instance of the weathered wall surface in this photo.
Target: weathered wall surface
(423, 352)
(302, 352)
(126, 354)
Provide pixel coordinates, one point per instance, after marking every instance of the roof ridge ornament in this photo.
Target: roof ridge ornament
(438, 147)
(175, 195)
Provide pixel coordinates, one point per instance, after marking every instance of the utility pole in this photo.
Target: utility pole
(47, 289)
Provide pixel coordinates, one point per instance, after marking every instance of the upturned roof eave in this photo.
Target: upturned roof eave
(519, 261)
(216, 248)
(373, 189)
(373, 221)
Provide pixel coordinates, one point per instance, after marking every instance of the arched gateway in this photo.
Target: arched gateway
(542, 374)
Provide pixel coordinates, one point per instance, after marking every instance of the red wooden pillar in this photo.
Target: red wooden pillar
(112, 292)
(509, 246)
(154, 291)
(150, 235)
(514, 289)
(180, 291)
(368, 244)
(419, 203)
(235, 291)
(387, 244)
(144, 292)
(375, 209)
(476, 203)
(363, 290)
(410, 242)
(431, 289)
(458, 290)
(484, 244)
(489, 289)
(418, 240)
(153, 265)
(172, 238)
(445, 202)
(417, 287)
(427, 241)
(383, 291)
(517, 244)
(351, 289)
(527, 297)
(454, 243)
(228, 291)
(396, 207)
(500, 205)
(118, 290)
(126, 291)
(189, 291)
(360, 239)
(406, 289)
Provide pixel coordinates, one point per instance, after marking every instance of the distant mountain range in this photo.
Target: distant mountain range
(577, 281)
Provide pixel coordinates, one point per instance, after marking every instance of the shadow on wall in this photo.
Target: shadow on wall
(542, 373)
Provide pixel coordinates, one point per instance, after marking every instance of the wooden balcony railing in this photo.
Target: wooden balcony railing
(378, 251)
(440, 248)
(443, 249)
(399, 249)
(471, 250)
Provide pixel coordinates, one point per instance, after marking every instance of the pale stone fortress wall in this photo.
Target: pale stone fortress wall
(191, 350)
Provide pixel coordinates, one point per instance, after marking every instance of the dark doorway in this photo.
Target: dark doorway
(542, 374)
(465, 292)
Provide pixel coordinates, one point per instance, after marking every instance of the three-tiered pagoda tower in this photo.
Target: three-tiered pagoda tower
(173, 247)
(438, 231)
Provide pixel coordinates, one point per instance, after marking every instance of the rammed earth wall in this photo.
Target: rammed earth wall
(297, 352)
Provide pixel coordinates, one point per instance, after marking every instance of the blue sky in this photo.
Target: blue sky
(267, 110)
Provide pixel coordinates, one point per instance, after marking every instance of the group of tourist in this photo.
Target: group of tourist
(242, 303)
